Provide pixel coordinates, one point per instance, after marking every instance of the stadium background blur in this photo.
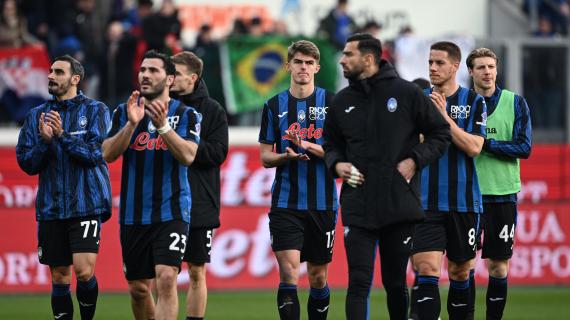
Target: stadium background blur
(243, 44)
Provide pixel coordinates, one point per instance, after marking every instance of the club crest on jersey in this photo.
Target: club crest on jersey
(151, 127)
(392, 104)
(301, 116)
(83, 122)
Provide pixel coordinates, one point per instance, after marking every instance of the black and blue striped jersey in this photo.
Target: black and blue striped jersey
(299, 185)
(451, 184)
(154, 185)
(73, 178)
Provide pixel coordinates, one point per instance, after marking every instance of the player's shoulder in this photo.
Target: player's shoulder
(189, 112)
(472, 95)
(273, 102)
(95, 105)
(44, 107)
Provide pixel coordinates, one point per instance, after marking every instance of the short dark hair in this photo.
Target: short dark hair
(305, 47)
(168, 65)
(480, 53)
(421, 83)
(367, 43)
(451, 48)
(190, 60)
(76, 67)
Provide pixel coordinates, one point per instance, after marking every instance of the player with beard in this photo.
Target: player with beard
(450, 191)
(372, 142)
(158, 138)
(302, 218)
(204, 175)
(61, 141)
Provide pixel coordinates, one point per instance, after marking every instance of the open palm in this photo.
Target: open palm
(135, 108)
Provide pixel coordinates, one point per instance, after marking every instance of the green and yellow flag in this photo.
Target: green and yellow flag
(253, 69)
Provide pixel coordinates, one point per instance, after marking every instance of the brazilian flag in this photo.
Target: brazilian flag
(254, 69)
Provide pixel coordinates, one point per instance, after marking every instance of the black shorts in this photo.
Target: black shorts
(199, 246)
(145, 246)
(311, 232)
(500, 220)
(452, 232)
(58, 240)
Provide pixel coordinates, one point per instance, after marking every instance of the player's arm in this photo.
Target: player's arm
(88, 151)
(521, 145)
(470, 143)
(212, 152)
(118, 140)
(183, 142)
(270, 159)
(33, 146)
(434, 130)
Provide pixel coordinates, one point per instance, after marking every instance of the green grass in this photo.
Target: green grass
(523, 303)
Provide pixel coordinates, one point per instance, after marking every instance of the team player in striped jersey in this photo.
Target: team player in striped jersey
(509, 138)
(158, 138)
(302, 218)
(61, 141)
(450, 191)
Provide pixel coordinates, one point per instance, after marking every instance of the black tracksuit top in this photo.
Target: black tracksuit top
(375, 123)
(204, 173)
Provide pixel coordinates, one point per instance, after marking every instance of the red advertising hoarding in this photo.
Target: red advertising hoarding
(241, 251)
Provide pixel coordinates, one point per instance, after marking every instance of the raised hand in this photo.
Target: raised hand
(440, 102)
(295, 138)
(53, 120)
(135, 108)
(46, 132)
(157, 111)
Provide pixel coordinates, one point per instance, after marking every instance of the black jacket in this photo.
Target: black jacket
(374, 124)
(204, 173)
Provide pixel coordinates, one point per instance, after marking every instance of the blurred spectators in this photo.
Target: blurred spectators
(117, 68)
(557, 12)
(372, 27)
(13, 26)
(256, 27)
(545, 29)
(161, 30)
(239, 28)
(337, 25)
(279, 28)
(207, 49)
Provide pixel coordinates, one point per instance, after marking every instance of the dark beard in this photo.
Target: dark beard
(154, 94)
(354, 74)
(60, 90)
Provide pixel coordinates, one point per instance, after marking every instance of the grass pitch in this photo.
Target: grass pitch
(523, 303)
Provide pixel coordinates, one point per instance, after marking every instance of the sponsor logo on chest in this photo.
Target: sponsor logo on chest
(459, 112)
(304, 133)
(143, 141)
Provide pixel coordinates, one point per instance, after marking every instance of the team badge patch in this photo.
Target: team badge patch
(83, 122)
(392, 104)
(301, 116)
(151, 127)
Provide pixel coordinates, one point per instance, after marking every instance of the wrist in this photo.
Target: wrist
(164, 129)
